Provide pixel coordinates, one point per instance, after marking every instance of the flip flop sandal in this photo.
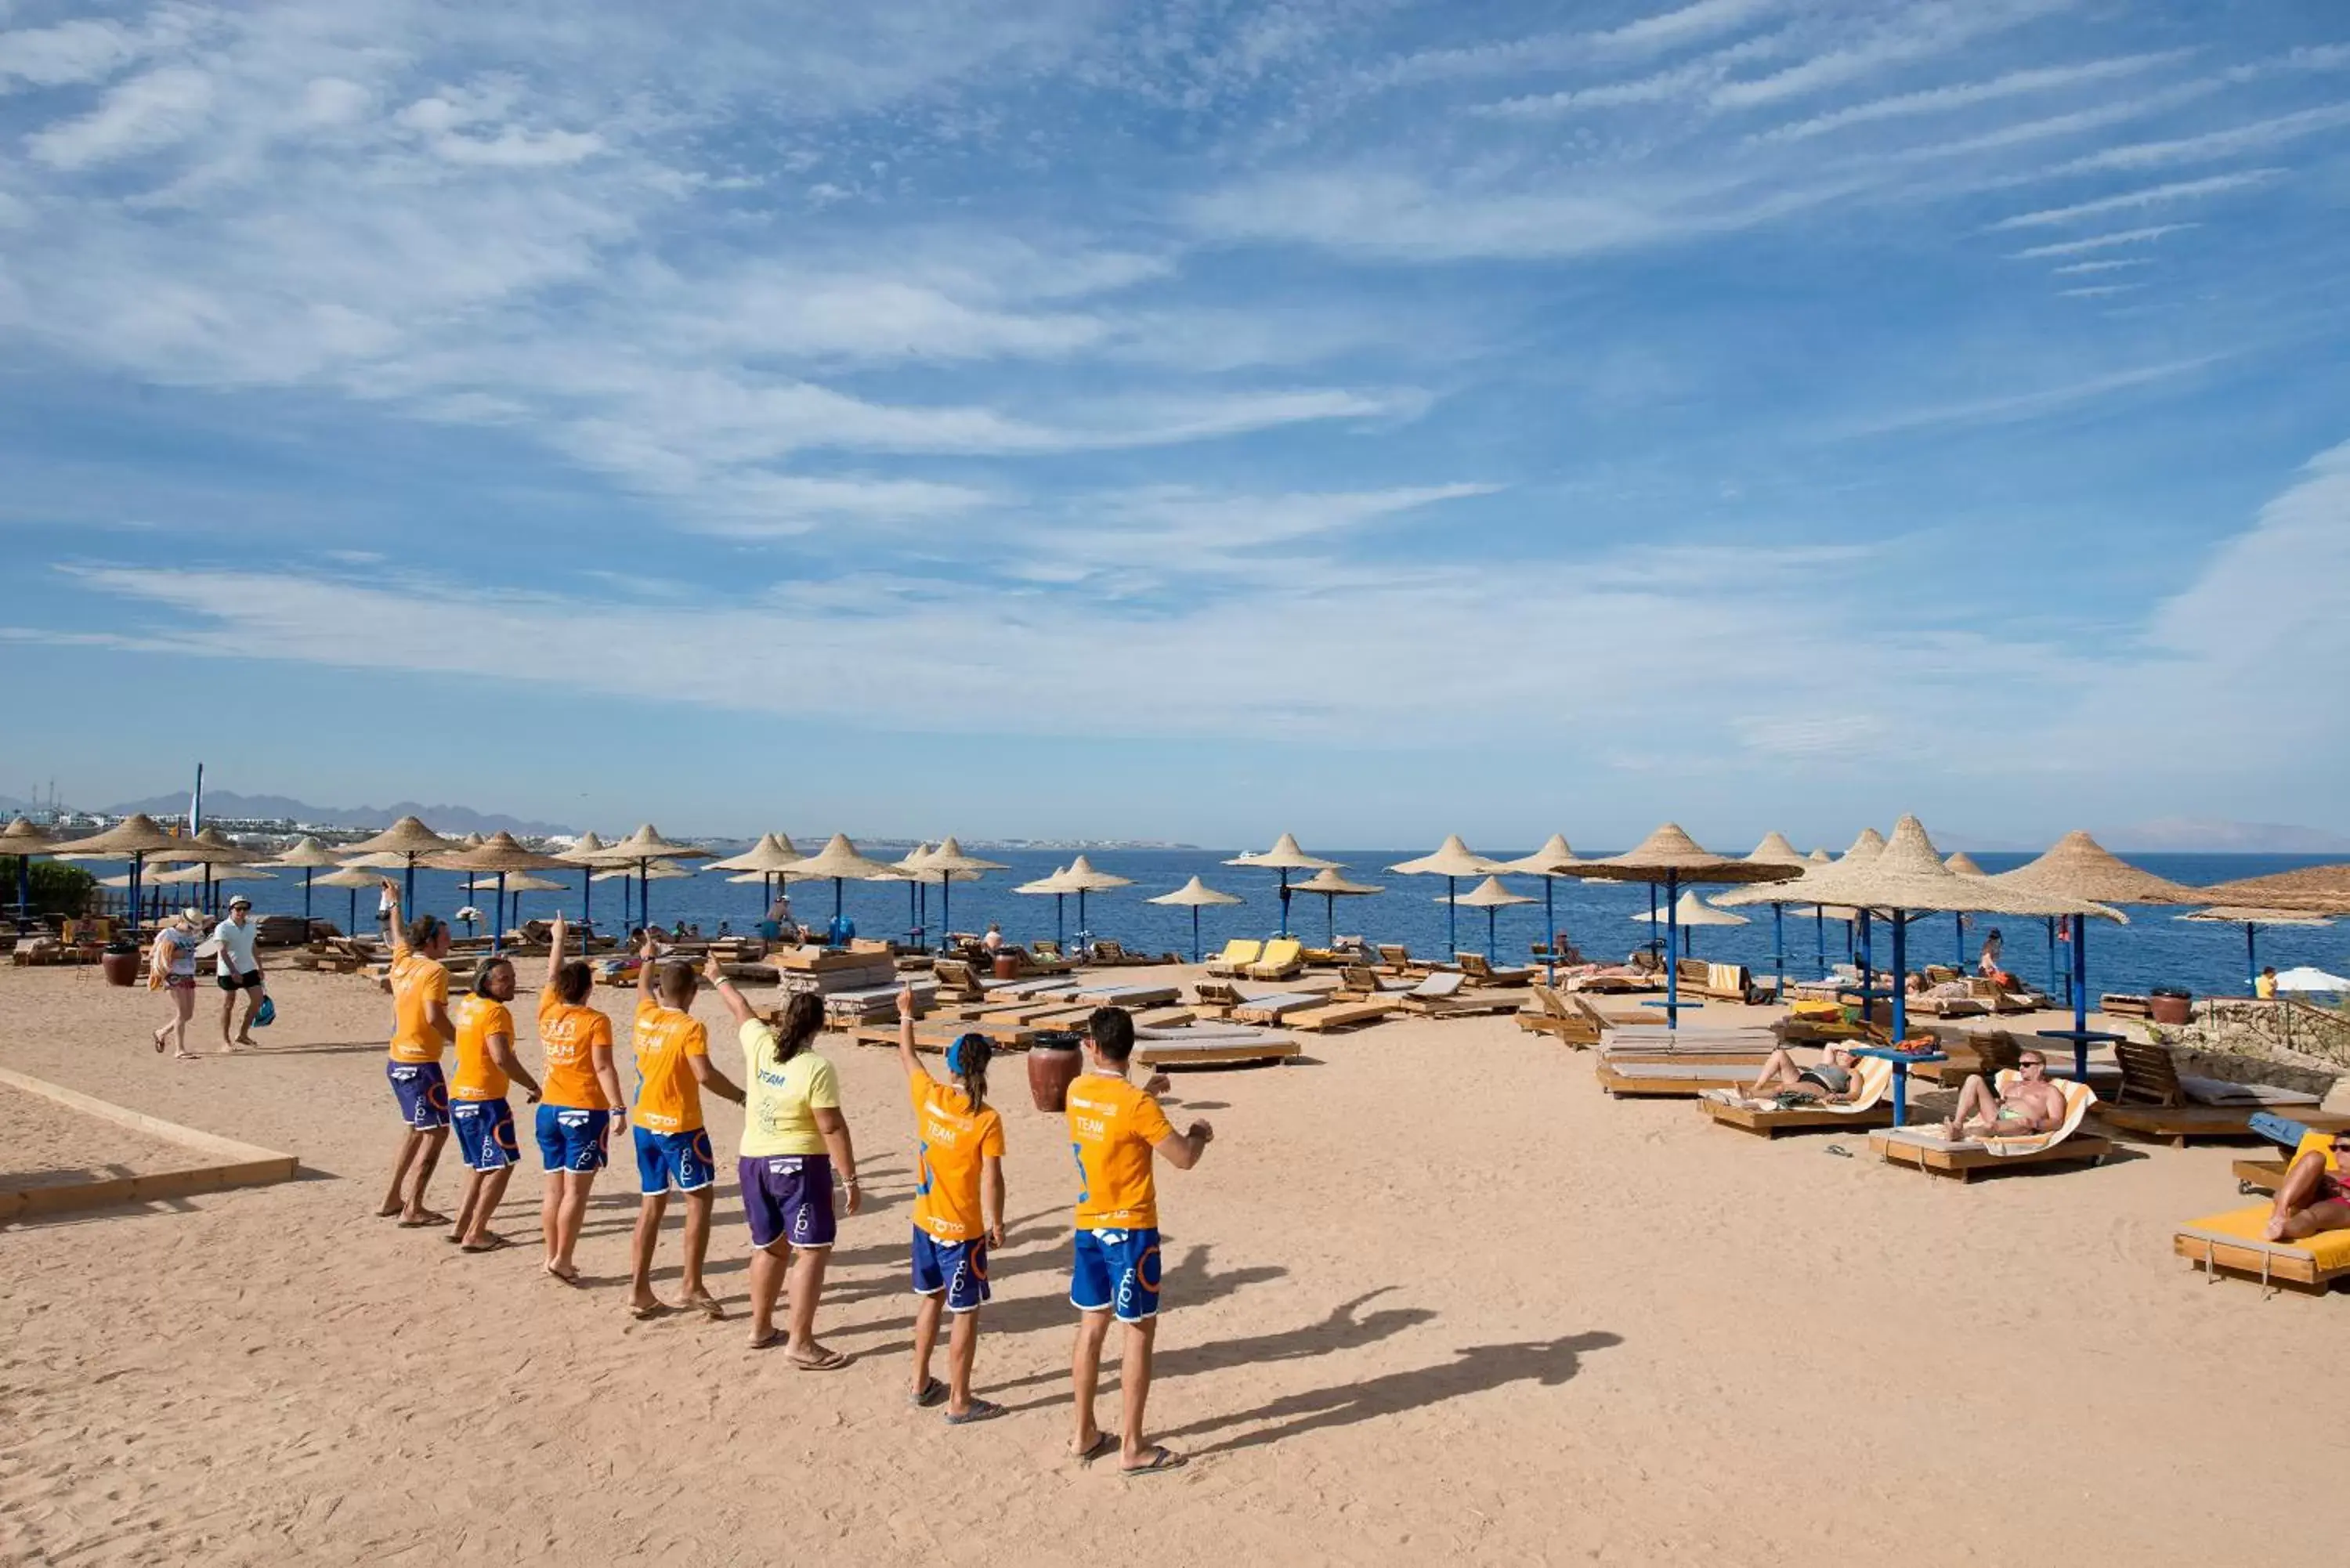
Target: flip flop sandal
(932, 1391)
(774, 1337)
(981, 1410)
(490, 1243)
(647, 1314)
(1103, 1443)
(712, 1309)
(570, 1280)
(421, 1221)
(1162, 1460)
(832, 1361)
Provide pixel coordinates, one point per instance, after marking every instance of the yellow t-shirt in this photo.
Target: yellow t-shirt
(569, 1033)
(1113, 1124)
(779, 1104)
(955, 1147)
(2264, 988)
(668, 1099)
(417, 982)
(479, 1077)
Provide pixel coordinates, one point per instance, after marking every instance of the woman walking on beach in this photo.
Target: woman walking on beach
(172, 969)
(478, 1103)
(575, 1105)
(793, 1138)
(958, 1211)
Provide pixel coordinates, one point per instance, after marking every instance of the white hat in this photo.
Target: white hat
(240, 902)
(191, 916)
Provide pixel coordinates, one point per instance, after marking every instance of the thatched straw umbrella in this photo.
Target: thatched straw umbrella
(1284, 857)
(1493, 897)
(948, 862)
(134, 839)
(2312, 890)
(499, 853)
(524, 882)
(411, 841)
(205, 850)
(583, 852)
(24, 840)
(1194, 895)
(839, 861)
(1051, 885)
(1690, 911)
(307, 853)
(1082, 879)
(354, 878)
(918, 883)
(1553, 860)
(1670, 856)
(2252, 919)
(1452, 860)
(1333, 885)
(771, 856)
(1774, 850)
(2076, 865)
(641, 849)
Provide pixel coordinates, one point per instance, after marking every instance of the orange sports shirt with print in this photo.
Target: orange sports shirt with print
(955, 1145)
(479, 1077)
(1113, 1124)
(417, 982)
(568, 1032)
(668, 1099)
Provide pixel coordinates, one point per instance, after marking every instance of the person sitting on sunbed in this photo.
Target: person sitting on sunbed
(2033, 1106)
(2310, 1198)
(1829, 1080)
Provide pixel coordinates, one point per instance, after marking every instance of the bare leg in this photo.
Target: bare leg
(2334, 1214)
(395, 1200)
(1085, 1376)
(691, 1291)
(2294, 1195)
(1779, 1068)
(253, 995)
(1134, 1388)
(1976, 1103)
(767, 1266)
(491, 1192)
(550, 1217)
(808, 1266)
(962, 1350)
(461, 1227)
(228, 1010)
(415, 1214)
(568, 1219)
(927, 1312)
(640, 1265)
(183, 1011)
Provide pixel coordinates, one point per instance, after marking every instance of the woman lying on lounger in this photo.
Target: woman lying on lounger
(2310, 1198)
(2034, 1106)
(1832, 1081)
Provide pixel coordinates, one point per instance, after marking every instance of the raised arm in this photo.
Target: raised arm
(1182, 1150)
(646, 951)
(907, 1057)
(398, 926)
(715, 973)
(554, 950)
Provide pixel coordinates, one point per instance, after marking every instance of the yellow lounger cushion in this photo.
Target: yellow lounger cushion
(2330, 1249)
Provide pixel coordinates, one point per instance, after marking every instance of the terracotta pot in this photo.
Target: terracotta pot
(1007, 966)
(120, 968)
(2169, 1009)
(1052, 1068)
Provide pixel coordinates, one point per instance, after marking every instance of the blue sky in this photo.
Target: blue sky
(1185, 420)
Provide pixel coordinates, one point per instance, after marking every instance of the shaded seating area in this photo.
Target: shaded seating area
(1966, 1158)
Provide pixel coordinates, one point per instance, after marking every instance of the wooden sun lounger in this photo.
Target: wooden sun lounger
(1478, 968)
(934, 1039)
(1283, 959)
(1238, 954)
(2232, 1243)
(1909, 1145)
(1273, 1009)
(1126, 996)
(1671, 1080)
(1340, 1015)
(1549, 1011)
(1211, 1048)
(1771, 1122)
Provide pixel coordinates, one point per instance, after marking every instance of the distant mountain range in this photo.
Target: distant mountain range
(2180, 833)
(447, 819)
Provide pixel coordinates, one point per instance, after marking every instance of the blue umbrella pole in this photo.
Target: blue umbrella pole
(1195, 934)
(1060, 929)
(498, 918)
(2052, 954)
(1329, 920)
(1820, 935)
(1084, 930)
(1550, 932)
(946, 898)
(1779, 952)
(1958, 929)
(1900, 972)
(355, 912)
(1451, 915)
(1672, 948)
(1284, 903)
(307, 872)
(1490, 955)
(838, 888)
(408, 889)
(2252, 963)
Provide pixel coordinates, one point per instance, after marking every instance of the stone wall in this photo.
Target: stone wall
(2291, 1044)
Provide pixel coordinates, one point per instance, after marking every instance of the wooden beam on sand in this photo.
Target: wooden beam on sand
(230, 1163)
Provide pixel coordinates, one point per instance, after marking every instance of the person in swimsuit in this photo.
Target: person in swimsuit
(172, 969)
(576, 1106)
(1829, 1080)
(2310, 1198)
(958, 1211)
(2034, 1106)
(478, 1111)
(420, 1031)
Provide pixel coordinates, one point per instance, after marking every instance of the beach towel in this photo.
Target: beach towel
(2078, 1098)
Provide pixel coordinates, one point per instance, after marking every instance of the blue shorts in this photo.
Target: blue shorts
(680, 1159)
(423, 1092)
(1117, 1270)
(787, 1198)
(570, 1139)
(957, 1268)
(486, 1134)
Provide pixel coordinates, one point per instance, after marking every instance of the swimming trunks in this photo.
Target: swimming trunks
(1117, 1271)
(571, 1137)
(956, 1269)
(422, 1093)
(681, 1159)
(787, 1198)
(486, 1134)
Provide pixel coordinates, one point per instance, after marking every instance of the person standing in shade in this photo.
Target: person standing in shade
(672, 1145)
(483, 1122)
(420, 1031)
(794, 1139)
(958, 1211)
(575, 1107)
(172, 969)
(1117, 1130)
(238, 969)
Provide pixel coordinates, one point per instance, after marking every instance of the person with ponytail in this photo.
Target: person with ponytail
(793, 1140)
(958, 1211)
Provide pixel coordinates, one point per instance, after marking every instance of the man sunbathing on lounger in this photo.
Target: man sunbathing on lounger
(1831, 1081)
(2310, 1198)
(2034, 1106)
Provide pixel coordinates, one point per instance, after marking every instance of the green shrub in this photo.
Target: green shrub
(57, 888)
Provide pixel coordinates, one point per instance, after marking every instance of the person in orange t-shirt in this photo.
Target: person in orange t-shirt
(958, 1209)
(1117, 1130)
(581, 1095)
(673, 1145)
(420, 1031)
(478, 1111)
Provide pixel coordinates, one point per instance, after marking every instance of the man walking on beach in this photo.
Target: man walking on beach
(239, 971)
(420, 1031)
(673, 1145)
(1116, 1129)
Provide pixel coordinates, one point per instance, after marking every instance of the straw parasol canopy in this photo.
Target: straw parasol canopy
(1488, 894)
(2078, 867)
(651, 871)
(348, 877)
(407, 837)
(947, 862)
(838, 862)
(1081, 878)
(305, 853)
(137, 834)
(1671, 857)
(499, 852)
(1554, 859)
(1906, 874)
(1452, 860)
(212, 847)
(21, 837)
(1964, 865)
(1692, 911)
(2318, 890)
(773, 853)
(1054, 887)
(1333, 885)
(646, 844)
(1818, 857)
(386, 862)
(524, 882)
(584, 849)
(1774, 850)
(201, 873)
(1284, 857)
(1195, 895)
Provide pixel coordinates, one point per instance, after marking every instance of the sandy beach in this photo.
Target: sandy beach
(1429, 1293)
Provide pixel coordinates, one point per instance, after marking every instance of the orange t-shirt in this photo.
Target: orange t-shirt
(417, 982)
(668, 1099)
(569, 1033)
(1113, 1124)
(479, 1077)
(955, 1143)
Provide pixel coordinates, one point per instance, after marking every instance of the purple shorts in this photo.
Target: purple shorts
(787, 1198)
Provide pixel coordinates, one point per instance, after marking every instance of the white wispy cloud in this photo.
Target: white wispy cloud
(162, 107)
(2100, 291)
(1962, 95)
(2149, 196)
(2102, 242)
(1656, 34)
(2089, 266)
(1918, 32)
(2007, 408)
(2228, 143)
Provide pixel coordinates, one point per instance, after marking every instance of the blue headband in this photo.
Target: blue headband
(954, 1052)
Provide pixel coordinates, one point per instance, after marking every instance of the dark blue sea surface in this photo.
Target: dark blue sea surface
(2155, 949)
